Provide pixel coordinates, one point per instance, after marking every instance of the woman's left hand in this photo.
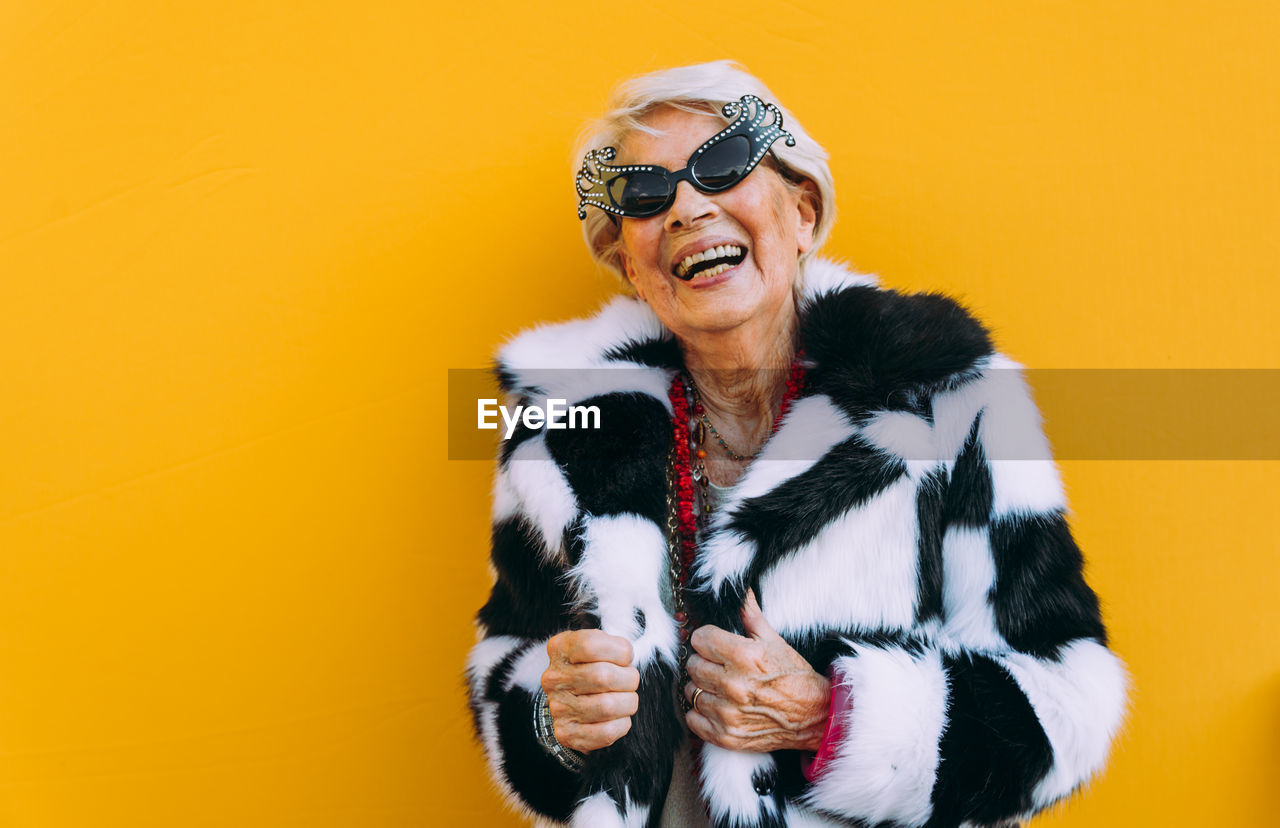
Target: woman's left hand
(758, 693)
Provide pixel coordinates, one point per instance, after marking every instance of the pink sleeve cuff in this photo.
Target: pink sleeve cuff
(841, 701)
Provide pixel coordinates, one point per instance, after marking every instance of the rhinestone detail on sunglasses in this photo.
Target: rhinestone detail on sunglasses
(592, 182)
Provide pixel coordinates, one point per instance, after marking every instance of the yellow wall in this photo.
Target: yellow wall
(241, 243)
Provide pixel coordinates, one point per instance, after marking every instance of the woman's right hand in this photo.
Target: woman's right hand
(591, 688)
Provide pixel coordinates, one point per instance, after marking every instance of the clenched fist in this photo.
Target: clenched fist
(591, 688)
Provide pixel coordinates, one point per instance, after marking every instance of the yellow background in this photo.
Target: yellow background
(241, 243)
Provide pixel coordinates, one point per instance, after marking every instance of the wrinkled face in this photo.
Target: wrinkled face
(742, 244)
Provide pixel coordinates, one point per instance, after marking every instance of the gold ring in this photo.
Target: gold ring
(697, 691)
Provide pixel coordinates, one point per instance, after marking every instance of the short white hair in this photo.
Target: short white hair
(701, 88)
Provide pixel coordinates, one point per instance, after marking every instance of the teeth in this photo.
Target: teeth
(718, 252)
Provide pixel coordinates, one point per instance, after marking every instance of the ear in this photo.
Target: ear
(806, 216)
(630, 271)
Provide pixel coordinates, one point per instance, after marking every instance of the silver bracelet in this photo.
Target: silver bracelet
(544, 727)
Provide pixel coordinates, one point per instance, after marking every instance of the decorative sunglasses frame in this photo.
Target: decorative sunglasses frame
(750, 113)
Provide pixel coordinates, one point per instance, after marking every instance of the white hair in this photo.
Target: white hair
(700, 88)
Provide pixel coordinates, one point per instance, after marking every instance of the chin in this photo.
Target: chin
(729, 305)
(721, 318)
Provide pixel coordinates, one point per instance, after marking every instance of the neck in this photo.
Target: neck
(741, 373)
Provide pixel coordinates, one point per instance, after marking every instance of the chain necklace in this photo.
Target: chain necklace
(794, 378)
(687, 485)
(700, 410)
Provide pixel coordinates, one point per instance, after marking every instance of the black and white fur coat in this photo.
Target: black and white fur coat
(905, 525)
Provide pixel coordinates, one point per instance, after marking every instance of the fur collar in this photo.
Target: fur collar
(868, 347)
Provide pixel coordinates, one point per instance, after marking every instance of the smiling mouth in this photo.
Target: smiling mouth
(710, 262)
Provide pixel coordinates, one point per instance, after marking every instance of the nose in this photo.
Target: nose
(689, 207)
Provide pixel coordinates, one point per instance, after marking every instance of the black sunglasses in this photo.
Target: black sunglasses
(644, 190)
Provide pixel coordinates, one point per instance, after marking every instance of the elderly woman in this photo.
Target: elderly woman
(813, 567)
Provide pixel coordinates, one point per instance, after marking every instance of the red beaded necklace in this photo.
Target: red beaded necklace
(684, 515)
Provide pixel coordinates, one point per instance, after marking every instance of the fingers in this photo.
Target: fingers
(582, 646)
(588, 737)
(723, 647)
(589, 679)
(701, 726)
(589, 661)
(705, 699)
(590, 722)
(593, 709)
(706, 674)
(706, 719)
(585, 646)
(753, 620)
(723, 723)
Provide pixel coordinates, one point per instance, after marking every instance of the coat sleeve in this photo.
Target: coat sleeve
(527, 604)
(1010, 700)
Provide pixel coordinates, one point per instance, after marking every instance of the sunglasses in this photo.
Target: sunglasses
(644, 190)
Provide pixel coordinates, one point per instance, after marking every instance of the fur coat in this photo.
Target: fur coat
(905, 526)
